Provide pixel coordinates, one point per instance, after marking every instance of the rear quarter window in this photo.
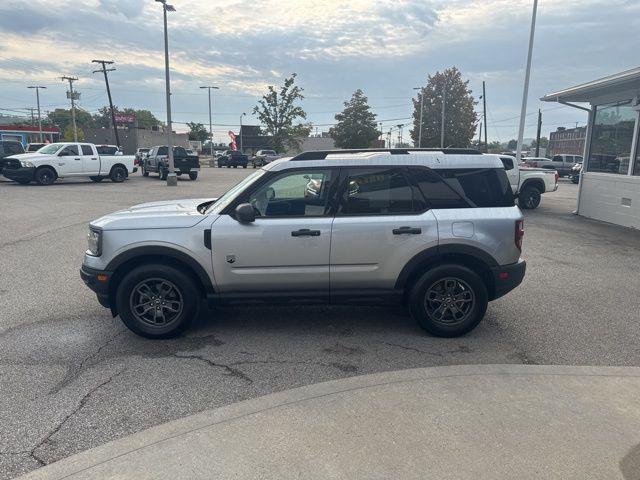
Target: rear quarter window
(486, 187)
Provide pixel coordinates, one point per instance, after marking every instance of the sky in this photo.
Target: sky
(384, 47)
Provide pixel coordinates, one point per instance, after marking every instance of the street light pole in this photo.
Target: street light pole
(172, 179)
(444, 103)
(420, 122)
(525, 93)
(241, 132)
(210, 122)
(37, 89)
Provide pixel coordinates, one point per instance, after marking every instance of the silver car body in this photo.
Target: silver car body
(351, 252)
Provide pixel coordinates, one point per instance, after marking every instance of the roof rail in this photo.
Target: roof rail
(322, 154)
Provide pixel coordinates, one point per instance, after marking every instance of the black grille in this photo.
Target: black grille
(9, 164)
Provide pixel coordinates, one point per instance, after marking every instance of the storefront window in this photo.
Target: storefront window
(612, 138)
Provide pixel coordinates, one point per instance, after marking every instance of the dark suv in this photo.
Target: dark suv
(158, 161)
(8, 148)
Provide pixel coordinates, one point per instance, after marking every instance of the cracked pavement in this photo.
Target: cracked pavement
(72, 377)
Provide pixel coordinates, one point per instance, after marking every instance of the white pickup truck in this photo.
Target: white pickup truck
(528, 184)
(67, 159)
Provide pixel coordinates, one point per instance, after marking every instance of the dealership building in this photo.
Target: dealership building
(609, 187)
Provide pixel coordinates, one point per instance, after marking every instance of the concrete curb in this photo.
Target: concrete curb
(175, 431)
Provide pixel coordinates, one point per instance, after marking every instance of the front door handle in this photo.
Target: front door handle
(93, 158)
(77, 159)
(305, 232)
(407, 230)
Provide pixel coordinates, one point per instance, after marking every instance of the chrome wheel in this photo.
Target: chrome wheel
(156, 302)
(449, 301)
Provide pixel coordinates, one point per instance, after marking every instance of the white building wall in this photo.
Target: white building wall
(611, 198)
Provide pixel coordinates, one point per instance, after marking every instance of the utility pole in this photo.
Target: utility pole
(527, 75)
(31, 109)
(243, 114)
(73, 96)
(210, 124)
(172, 179)
(444, 104)
(484, 107)
(104, 70)
(538, 134)
(37, 89)
(480, 137)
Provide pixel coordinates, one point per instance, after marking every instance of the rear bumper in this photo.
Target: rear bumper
(507, 277)
(22, 173)
(98, 281)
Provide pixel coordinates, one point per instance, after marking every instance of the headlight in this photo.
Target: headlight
(26, 164)
(94, 240)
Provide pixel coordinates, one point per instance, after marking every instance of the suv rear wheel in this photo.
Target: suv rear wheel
(448, 300)
(157, 301)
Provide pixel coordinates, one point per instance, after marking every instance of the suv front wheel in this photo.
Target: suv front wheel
(157, 301)
(448, 300)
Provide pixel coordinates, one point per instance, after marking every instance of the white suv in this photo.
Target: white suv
(434, 230)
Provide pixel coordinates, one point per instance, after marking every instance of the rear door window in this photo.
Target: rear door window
(379, 191)
(162, 151)
(87, 150)
(435, 191)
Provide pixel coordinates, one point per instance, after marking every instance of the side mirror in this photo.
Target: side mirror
(245, 213)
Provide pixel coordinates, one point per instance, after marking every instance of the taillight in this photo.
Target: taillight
(519, 233)
(534, 164)
(557, 176)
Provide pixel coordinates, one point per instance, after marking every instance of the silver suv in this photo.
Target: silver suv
(436, 231)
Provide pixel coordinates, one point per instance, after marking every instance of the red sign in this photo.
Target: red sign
(122, 118)
(233, 140)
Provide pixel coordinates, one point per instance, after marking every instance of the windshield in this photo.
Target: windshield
(51, 149)
(226, 199)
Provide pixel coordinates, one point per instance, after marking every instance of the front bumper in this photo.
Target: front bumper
(98, 281)
(507, 277)
(17, 174)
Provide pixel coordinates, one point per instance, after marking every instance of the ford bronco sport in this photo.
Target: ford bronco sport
(435, 230)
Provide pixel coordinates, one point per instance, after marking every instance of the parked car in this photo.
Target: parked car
(9, 147)
(233, 158)
(262, 157)
(528, 183)
(575, 173)
(34, 147)
(67, 159)
(436, 231)
(561, 163)
(157, 161)
(141, 154)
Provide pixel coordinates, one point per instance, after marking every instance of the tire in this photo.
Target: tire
(529, 198)
(244, 166)
(118, 174)
(96, 179)
(163, 174)
(145, 173)
(575, 179)
(157, 283)
(432, 290)
(45, 176)
(193, 175)
(235, 166)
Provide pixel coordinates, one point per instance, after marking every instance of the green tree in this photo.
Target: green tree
(197, 131)
(67, 135)
(544, 142)
(61, 117)
(356, 127)
(512, 145)
(494, 147)
(277, 112)
(460, 116)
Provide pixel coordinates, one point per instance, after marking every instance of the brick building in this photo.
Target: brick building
(567, 140)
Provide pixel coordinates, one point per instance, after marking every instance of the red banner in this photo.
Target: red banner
(124, 118)
(233, 140)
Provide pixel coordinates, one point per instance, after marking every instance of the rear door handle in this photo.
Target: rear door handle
(407, 231)
(305, 232)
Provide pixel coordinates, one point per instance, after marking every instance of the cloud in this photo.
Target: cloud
(127, 8)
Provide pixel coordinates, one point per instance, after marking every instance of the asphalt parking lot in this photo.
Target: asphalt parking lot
(72, 377)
